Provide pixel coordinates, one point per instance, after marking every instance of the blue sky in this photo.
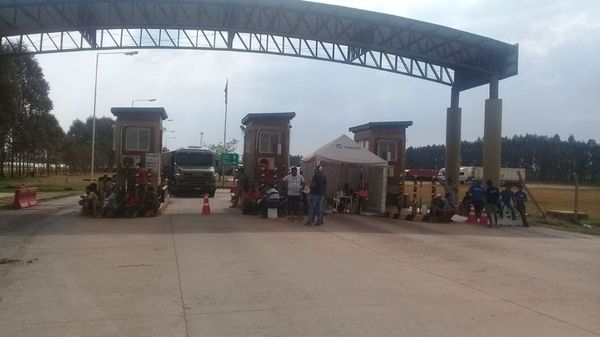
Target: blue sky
(556, 91)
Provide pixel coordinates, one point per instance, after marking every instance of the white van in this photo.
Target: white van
(442, 176)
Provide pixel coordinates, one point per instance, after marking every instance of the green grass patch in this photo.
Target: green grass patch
(45, 184)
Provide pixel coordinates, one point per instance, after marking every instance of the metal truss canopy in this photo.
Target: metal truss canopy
(293, 28)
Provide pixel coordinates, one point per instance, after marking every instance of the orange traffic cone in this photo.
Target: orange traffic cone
(206, 205)
(472, 216)
(484, 218)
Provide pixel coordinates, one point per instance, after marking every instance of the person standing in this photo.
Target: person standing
(294, 183)
(507, 196)
(362, 195)
(492, 194)
(317, 191)
(521, 199)
(241, 186)
(477, 197)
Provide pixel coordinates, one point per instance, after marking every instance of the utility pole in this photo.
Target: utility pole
(224, 132)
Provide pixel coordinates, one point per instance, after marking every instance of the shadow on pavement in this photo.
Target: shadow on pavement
(232, 221)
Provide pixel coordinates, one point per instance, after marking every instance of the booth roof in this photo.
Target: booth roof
(346, 151)
(137, 111)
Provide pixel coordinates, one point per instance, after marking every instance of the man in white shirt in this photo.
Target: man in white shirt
(294, 185)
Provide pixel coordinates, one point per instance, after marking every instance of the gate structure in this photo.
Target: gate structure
(395, 44)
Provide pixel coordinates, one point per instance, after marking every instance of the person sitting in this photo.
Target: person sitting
(132, 203)
(272, 199)
(149, 202)
(439, 209)
(120, 201)
(82, 201)
(95, 199)
(107, 186)
(111, 204)
(90, 202)
(250, 201)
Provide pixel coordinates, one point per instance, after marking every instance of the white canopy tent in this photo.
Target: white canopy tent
(344, 162)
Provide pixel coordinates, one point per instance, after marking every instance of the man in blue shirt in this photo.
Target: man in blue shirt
(521, 199)
(477, 197)
(507, 197)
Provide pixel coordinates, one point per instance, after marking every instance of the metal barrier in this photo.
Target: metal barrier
(25, 197)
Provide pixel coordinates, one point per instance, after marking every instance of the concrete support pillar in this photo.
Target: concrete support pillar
(492, 136)
(453, 134)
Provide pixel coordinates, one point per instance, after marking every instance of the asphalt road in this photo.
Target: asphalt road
(225, 274)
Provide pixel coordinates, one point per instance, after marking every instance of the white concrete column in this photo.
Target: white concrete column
(492, 136)
(453, 135)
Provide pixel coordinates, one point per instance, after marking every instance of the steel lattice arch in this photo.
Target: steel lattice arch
(293, 28)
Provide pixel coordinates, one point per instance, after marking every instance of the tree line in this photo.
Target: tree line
(28, 131)
(544, 158)
(32, 141)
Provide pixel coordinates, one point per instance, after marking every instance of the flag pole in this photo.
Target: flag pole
(224, 132)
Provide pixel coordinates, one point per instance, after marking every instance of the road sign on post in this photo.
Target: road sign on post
(229, 159)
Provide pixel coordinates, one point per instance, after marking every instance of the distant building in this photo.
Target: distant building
(388, 141)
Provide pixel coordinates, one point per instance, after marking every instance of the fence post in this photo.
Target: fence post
(576, 210)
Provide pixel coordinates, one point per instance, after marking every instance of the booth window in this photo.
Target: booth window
(385, 147)
(137, 139)
(268, 142)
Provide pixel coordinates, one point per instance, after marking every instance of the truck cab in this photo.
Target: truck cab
(190, 170)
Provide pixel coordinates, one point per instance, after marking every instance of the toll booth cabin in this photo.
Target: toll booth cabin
(266, 146)
(138, 139)
(388, 141)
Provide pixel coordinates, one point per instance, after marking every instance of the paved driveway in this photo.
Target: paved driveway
(184, 274)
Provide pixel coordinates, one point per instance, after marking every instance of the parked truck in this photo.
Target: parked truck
(441, 176)
(190, 170)
(507, 174)
(475, 173)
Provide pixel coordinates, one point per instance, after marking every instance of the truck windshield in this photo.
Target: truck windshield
(195, 159)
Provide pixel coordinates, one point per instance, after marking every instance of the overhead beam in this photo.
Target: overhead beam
(233, 41)
(370, 36)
